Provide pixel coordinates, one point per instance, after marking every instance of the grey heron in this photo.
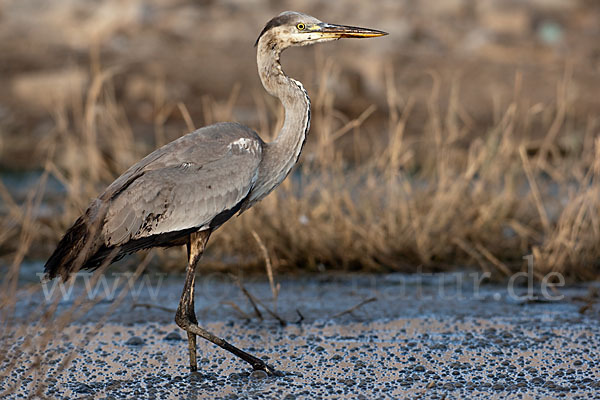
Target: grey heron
(180, 193)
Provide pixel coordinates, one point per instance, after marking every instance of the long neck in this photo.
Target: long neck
(280, 155)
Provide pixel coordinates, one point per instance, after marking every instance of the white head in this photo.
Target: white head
(292, 28)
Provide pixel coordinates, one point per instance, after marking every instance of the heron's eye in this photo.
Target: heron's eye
(300, 26)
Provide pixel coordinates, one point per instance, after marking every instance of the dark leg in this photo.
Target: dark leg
(186, 315)
(195, 247)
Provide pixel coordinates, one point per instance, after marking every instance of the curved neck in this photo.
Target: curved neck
(280, 155)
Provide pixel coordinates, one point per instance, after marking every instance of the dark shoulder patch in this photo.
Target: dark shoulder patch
(279, 20)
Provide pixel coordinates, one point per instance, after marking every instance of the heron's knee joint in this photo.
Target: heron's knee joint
(182, 320)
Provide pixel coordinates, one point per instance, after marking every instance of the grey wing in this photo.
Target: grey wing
(184, 186)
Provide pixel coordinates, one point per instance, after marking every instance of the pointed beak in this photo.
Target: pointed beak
(342, 31)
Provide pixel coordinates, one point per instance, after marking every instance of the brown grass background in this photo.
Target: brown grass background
(467, 137)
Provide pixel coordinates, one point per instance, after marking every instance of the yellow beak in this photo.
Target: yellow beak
(343, 31)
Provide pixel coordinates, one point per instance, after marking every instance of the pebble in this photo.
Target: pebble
(259, 374)
(173, 336)
(135, 341)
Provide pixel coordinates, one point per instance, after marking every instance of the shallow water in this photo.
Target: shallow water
(419, 336)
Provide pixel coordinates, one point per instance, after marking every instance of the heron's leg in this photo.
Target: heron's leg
(186, 316)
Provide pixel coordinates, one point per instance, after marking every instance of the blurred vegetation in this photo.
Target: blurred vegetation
(467, 137)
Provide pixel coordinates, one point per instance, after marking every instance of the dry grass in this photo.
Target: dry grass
(446, 195)
(428, 200)
(439, 173)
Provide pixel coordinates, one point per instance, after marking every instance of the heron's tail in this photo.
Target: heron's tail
(76, 248)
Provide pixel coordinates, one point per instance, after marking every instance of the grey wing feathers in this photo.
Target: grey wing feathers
(184, 184)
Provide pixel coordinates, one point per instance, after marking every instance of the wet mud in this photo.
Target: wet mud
(361, 336)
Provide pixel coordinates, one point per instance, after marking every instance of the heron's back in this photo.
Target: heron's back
(194, 183)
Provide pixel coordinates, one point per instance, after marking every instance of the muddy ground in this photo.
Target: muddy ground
(361, 336)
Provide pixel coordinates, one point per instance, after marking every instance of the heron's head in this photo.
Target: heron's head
(296, 29)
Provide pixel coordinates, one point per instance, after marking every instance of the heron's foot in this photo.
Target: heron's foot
(193, 329)
(260, 365)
